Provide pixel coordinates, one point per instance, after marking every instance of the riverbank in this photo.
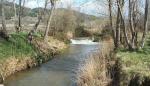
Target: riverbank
(17, 54)
(121, 68)
(135, 66)
(95, 70)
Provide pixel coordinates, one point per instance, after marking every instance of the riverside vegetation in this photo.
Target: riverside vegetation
(123, 58)
(17, 54)
(128, 64)
(30, 37)
(121, 68)
(135, 66)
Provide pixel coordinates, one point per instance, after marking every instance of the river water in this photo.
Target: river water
(60, 71)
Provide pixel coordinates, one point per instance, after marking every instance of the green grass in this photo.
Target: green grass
(17, 46)
(134, 62)
(137, 62)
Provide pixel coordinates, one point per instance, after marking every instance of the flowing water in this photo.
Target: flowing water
(60, 71)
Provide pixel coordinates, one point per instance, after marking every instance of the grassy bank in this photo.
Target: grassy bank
(17, 54)
(16, 46)
(135, 66)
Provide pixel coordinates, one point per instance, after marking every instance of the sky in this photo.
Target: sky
(86, 6)
(91, 7)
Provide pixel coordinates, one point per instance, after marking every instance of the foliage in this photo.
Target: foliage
(97, 37)
(80, 32)
(105, 33)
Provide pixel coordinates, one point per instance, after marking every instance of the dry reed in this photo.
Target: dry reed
(94, 72)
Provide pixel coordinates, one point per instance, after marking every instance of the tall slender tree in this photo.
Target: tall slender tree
(3, 33)
(15, 14)
(123, 26)
(19, 16)
(111, 21)
(40, 15)
(118, 23)
(49, 19)
(145, 23)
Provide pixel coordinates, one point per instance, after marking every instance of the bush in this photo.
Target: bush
(80, 32)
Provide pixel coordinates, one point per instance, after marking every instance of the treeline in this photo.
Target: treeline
(9, 10)
(130, 26)
(59, 22)
(18, 18)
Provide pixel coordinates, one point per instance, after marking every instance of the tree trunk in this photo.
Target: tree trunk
(133, 20)
(19, 19)
(30, 35)
(15, 13)
(123, 25)
(118, 24)
(145, 23)
(117, 30)
(22, 9)
(111, 22)
(130, 16)
(40, 14)
(48, 23)
(3, 33)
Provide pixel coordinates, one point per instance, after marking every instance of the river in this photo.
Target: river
(60, 71)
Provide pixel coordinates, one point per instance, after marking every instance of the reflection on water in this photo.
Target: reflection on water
(57, 72)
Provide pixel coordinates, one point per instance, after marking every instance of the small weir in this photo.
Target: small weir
(61, 71)
(85, 41)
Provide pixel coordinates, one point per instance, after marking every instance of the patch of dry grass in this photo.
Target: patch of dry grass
(94, 72)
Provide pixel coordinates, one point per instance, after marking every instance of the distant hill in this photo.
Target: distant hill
(9, 12)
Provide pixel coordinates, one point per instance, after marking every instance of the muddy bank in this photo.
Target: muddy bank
(44, 52)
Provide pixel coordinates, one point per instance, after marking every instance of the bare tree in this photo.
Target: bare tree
(145, 23)
(49, 19)
(131, 42)
(19, 17)
(22, 9)
(111, 21)
(15, 14)
(123, 26)
(133, 16)
(116, 32)
(3, 33)
(118, 23)
(40, 14)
